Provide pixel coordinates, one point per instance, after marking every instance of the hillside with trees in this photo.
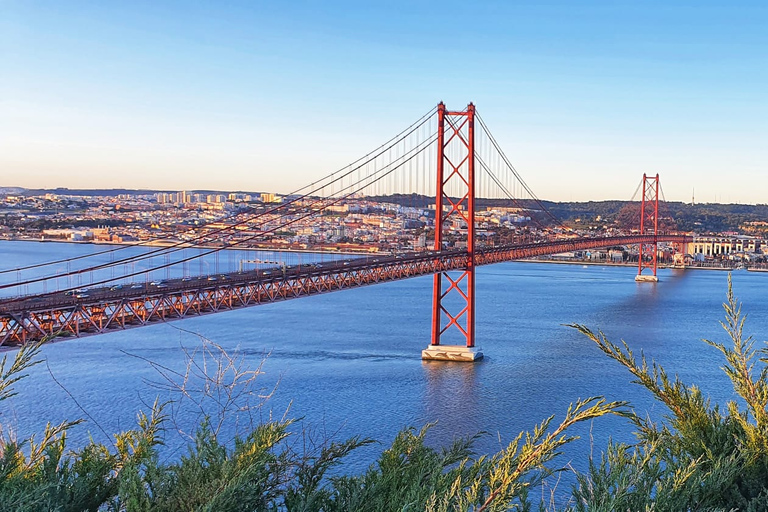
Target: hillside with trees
(701, 218)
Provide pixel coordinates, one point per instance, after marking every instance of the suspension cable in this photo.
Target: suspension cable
(506, 191)
(517, 175)
(378, 151)
(181, 245)
(424, 145)
(514, 171)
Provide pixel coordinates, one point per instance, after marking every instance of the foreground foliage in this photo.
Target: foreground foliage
(699, 456)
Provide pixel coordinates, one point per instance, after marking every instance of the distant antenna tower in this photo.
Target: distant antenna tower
(693, 196)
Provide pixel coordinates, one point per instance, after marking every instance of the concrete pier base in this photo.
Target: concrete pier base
(451, 353)
(646, 279)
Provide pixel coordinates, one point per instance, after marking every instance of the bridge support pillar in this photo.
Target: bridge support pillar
(453, 306)
(648, 254)
(451, 353)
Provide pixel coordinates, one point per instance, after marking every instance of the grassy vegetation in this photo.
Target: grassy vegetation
(699, 456)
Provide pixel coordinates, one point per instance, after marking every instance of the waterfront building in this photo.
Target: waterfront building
(725, 246)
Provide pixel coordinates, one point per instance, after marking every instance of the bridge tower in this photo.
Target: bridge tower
(649, 224)
(453, 299)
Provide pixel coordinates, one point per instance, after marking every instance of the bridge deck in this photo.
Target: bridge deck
(100, 310)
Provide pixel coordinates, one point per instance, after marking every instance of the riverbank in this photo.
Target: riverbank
(186, 245)
(627, 264)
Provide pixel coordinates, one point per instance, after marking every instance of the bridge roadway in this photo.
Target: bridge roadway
(100, 310)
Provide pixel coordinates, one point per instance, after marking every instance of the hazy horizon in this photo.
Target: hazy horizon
(245, 191)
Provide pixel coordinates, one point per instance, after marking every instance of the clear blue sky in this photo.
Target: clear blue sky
(583, 96)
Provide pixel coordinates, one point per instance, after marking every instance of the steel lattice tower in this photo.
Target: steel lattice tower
(649, 224)
(454, 209)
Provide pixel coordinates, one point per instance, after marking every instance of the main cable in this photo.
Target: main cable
(181, 245)
(381, 149)
(424, 145)
(506, 191)
(517, 175)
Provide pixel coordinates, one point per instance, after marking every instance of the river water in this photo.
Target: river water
(348, 362)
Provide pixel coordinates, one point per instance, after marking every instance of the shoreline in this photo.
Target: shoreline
(186, 245)
(164, 243)
(605, 264)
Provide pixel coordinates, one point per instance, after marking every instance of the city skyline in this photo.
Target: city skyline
(254, 96)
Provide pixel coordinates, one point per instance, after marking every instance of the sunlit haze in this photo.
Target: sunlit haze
(266, 96)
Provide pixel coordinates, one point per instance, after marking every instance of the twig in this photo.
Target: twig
(91, 418)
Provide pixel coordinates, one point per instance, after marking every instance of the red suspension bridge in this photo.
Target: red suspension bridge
(448, 155)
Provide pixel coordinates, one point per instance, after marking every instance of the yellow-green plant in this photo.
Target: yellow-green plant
(699, 456)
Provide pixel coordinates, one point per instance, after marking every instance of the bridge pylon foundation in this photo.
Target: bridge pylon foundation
(451, 353)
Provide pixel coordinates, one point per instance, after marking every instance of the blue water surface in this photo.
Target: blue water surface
(348, 363)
